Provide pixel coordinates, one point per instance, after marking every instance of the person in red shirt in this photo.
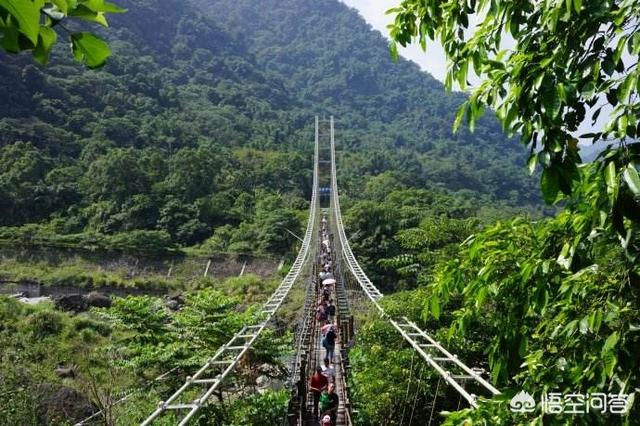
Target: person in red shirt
(317, 384)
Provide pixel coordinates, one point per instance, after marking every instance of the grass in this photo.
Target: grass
(60, 268)
(79, 273)
(35, 339)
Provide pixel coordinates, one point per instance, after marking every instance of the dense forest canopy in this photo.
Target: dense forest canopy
(195, 136)
(200, 132)
(569, 63)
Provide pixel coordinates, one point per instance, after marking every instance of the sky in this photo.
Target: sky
(433, 61)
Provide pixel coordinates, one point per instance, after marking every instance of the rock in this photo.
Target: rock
(262, 381)
(178, 298)
(173, 305)
(71, 302)
(69, 372)
(175, 302)
(268, 370)
(58, 404)
(34, 300)
(98, 300)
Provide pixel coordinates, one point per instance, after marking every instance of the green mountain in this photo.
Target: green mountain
(199, 127)
(333, 61)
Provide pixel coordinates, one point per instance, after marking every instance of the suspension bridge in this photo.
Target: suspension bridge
(326, 269)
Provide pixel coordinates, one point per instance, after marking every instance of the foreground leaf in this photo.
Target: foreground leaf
(89, 49)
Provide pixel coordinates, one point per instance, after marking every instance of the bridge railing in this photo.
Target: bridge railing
(222, 364)
(447, 365)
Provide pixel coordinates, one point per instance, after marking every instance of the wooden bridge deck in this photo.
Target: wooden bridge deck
(317, 359)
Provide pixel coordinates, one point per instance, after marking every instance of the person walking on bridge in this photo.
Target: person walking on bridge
(317, 384)
(329, 343)
(328, 371)
(329, 402)
(328, 325)
(321, 312)
(331, 310)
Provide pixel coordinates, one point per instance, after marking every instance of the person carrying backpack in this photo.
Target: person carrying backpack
(321, 313)
(329, 343)
(331, 310)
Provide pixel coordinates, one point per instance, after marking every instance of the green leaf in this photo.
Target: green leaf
(610, 361)
(588, 90)
(393, 50)
(626, 87)
(550, 185)
(630, 175)
(570, 328)
(565, 257)
(622, 124)
(87, 14)
(610, 343)
(89, 49)
(434, 306)
(62, 5)
(577, 5)
(27, 14)
(551, 101)
(532, 162)
(103, 6)
(595, 319)
(496, 368)
(610, 175)
(9, 40)
(584, 325)
(45, 42)
(393, 10)
(608, 66)
(459, 116)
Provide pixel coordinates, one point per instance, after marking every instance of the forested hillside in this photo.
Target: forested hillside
(200, 132)
(330, 57)
(132, 193)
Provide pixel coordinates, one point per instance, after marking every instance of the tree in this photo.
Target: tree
(185, 136)
(568, 64)
(552, 322)
(182, 222)
(22, 171)
(116, 176)
(29, 25)
(192, 172)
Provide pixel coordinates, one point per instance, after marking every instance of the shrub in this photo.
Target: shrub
(45, 323)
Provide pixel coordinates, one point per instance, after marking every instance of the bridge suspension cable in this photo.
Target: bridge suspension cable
(326, 308)
(446, 364)
(224, 361)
